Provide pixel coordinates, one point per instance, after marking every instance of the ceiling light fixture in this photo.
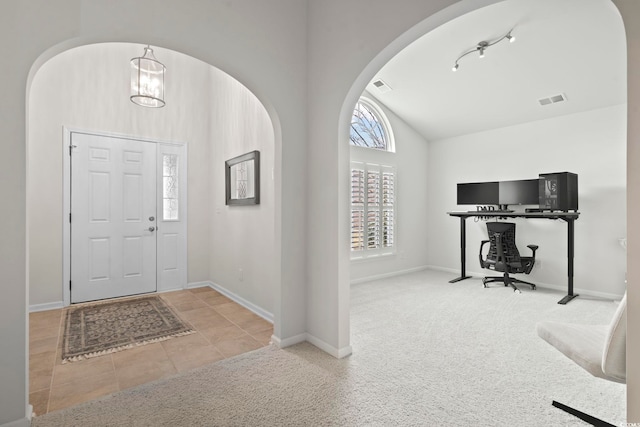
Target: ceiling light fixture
(482, 46)
(147, 80)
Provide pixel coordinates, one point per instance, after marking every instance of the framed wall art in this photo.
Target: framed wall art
(242, 179)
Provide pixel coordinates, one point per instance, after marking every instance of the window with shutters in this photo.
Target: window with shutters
(372, 210)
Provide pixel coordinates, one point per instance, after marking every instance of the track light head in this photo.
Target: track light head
(482, 46)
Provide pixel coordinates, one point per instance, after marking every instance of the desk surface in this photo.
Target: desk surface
(495, 214)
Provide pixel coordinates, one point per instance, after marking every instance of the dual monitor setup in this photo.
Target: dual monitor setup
(549, 192)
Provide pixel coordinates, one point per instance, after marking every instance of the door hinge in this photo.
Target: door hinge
(69, 284)
(71, 147)
(69, 217)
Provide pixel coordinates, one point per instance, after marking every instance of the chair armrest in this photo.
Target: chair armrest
(482, 261)
(533, 248)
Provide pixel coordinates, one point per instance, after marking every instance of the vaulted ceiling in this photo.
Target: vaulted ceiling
(572, 47)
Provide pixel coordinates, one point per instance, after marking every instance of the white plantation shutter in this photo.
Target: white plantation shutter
(372, 209)
(388, 208)
(357, 209)
(373, 229)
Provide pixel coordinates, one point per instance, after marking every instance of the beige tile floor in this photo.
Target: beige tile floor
(223, 329)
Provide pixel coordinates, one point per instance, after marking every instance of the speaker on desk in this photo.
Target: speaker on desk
(558, 191)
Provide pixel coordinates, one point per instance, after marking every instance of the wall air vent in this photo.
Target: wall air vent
(552, 99)
(381, 86)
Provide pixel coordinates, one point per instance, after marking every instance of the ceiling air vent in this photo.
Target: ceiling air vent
(552, 99)
(381, 86)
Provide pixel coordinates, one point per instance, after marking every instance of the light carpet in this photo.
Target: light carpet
(425, 353)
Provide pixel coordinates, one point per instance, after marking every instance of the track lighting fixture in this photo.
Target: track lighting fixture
(482, 46)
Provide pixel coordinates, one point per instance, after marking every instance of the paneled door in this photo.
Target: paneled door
(113, 217)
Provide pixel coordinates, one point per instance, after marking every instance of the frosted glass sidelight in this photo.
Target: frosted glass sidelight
(170, 202)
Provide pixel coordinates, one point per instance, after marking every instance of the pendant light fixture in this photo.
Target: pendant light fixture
(147, 80)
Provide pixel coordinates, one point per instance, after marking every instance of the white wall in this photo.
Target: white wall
(86, 88)
(410, 161)
(242, 237)
(591, 144)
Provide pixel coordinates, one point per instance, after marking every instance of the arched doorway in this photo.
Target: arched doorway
(209, 113)
(618, 116)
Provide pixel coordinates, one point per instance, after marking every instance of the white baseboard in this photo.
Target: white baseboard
(22, 422)
(235, 298)
(579, 291)
(327, 348)
(243, 302)
(297, 339)
(60, 304)
(445, 269)
(288, 342)
(46, 306)
(387, 275)
(194, 285)
(551, 286)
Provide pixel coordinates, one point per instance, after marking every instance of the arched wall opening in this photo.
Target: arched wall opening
(359, 89)
(216, 116)
(430, 98)
(354, 91)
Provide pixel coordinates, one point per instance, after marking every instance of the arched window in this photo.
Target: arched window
(370, 127)
(373, 184)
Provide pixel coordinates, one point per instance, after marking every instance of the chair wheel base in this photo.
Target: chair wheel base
(507, 281)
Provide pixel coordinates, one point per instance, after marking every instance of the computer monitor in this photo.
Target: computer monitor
(478, 193)
(521, 192)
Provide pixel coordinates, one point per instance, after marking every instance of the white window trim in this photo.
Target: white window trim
(384, 121)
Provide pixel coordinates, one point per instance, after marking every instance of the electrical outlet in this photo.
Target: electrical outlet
(240, 274)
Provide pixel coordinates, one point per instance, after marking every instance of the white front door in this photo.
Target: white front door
(113, 217)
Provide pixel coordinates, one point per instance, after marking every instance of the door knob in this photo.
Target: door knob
(152, 228)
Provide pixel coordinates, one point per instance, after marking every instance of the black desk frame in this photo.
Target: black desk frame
(568, 217)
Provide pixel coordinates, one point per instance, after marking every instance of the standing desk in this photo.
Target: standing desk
(568, 217)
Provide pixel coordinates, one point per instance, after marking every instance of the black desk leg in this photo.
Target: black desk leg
(463, 250)
(570, 246)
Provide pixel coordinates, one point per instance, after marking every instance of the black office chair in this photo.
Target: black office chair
(504, 255)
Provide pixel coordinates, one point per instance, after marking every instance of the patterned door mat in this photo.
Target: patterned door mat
(96, 329)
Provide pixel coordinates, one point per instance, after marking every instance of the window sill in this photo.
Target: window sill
(372, 257)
